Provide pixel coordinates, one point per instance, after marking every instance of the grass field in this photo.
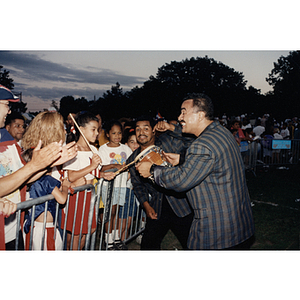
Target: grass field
(275, 211)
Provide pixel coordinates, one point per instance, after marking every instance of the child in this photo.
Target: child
(114, 155)
(47, 127)
(130, 208)
(85, 165)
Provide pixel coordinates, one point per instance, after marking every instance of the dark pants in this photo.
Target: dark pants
(246, 245)
(12, 244)
(155, 230)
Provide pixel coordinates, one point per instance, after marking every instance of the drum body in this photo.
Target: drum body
(154, 155)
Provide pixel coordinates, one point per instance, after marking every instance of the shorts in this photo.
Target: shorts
(130, 206)
(118, 195)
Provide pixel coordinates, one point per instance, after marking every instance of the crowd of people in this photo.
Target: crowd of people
(254, 136)
(202, 196)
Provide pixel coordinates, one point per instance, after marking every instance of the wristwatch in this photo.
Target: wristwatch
(152, 169)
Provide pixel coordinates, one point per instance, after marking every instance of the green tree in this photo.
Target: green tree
(66, 106)
(285, 78)
(5, 80)
(173, 81)
(113, 104)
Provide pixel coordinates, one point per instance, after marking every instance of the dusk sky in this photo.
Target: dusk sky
(43, 76)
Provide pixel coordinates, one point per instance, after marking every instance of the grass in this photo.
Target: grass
(276, 213)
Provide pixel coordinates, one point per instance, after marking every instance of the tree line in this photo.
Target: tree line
(164, 92)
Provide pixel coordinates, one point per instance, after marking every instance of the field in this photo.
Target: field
(276, 211)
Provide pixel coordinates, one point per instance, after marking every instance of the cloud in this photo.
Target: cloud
(38, 77)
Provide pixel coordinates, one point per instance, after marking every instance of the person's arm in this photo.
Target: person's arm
(61, 194)
(41, 158)
(74, 175)
(182, 178)
(142, 194)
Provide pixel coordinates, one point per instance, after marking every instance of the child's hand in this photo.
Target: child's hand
(79, 182)
(108, 175)
(117, 166)
(66, 183)
(96, 160)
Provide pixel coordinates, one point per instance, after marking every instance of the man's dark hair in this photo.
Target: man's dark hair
(202, 103)
(145, 118)
(12, 117)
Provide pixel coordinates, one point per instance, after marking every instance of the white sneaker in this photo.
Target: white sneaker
(139, 239)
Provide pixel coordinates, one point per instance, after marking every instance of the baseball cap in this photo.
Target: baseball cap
(6, 94)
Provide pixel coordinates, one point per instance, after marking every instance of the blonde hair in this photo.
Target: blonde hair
(47, 127)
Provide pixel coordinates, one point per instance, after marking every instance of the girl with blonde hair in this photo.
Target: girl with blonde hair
(47, 127)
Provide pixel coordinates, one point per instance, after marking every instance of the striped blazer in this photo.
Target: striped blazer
(213, 176)
(145, 190)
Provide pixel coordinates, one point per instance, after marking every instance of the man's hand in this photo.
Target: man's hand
(144, 168)
(150, 212)
(172, 158)
(69, 151)
(163, 126)
(7, 207)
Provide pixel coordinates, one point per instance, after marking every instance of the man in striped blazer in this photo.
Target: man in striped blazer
(165, 209)
(213, 176)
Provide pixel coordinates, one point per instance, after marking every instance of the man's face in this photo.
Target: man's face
(188, 118)
(16, 129)
(144, 134)
(4, 111)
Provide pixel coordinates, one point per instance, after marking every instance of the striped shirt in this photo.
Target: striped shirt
(213, 177)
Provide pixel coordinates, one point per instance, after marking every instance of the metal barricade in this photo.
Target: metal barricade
(132, 224)
(272, 152)
(130, 220)
(59, 226)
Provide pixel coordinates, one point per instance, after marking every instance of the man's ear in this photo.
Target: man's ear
(201, 115)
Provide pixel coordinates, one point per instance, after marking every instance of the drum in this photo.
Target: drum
(154, 155)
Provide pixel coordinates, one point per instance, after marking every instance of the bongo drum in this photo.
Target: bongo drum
(154, 155)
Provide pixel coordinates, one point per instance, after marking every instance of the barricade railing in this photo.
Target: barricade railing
(131, 218)
(132, 225)
(267, 152)
(60, 226)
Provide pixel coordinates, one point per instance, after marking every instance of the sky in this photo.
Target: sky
(82, 50)
(43, 76)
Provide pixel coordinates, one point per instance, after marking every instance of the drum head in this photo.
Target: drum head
(144, 152)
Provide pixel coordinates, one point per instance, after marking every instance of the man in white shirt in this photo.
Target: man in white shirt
(259, 129)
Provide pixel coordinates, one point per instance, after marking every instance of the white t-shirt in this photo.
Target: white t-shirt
(82, 160)
(284, 133)
(116, 155)
(259, 130)
(10, 162)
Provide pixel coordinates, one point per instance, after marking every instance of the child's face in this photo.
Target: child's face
(132, 143)
(115, 135)
(90, 131)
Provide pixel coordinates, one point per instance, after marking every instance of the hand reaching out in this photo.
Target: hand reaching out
(7, 207)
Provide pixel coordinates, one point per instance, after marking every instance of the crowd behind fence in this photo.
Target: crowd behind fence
(270, 152)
